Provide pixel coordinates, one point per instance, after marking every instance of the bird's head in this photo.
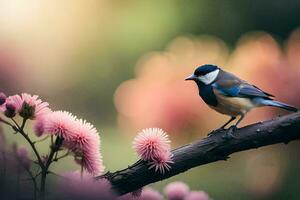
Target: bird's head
(205, 74)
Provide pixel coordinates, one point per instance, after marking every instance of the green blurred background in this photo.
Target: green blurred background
(79, 55)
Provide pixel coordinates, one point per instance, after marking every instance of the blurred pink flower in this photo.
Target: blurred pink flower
(264, 173)
(23, 157)
(38, 127)
(75, 185)
(153, 145)
(85, 143)
(159, 97)
(59, 123)
(150, 194)
(176, 191)
(197, 195)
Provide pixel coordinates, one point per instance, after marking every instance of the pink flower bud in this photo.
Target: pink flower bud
(27, 111)
(10, 111)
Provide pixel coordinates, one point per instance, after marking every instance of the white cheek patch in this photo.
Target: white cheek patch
(209, 78)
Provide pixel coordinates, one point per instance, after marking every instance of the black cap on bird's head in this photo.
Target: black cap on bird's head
(202, 71)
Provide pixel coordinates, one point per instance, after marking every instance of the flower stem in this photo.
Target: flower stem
(54, 148)
(21, 131)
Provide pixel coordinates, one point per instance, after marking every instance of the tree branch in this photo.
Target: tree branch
(211, 149)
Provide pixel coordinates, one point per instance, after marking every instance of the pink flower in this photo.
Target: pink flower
(176, 191)
(40, 108)
(162, 163)
(153, 145)
(59, 123)
(38, 127)
(28, 106)
(73, 185)
(16, 101)
(150, 194)
(197, 195)
(79, 136)
(85, 144)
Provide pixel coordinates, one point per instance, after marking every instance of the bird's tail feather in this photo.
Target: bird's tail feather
(280, 105)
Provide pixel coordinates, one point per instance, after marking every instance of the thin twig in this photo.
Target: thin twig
(21, 131)
(6, 122)
(56, 158)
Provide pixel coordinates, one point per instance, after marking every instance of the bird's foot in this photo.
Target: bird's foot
(216, 130)
(229, 134)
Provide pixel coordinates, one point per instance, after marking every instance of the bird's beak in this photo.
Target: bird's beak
(191, 77)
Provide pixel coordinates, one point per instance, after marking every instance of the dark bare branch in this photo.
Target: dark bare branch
(211, 149)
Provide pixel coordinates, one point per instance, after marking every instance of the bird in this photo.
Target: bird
(228, 94)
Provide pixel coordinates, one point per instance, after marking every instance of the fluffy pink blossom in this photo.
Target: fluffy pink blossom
(15, 100)
(197, 195)
(41, 108)
(85, 143)
(79, 136)
(153, 145)
(59, 123)
(37, 106)
(150, 194)
(162, 163)
(176, 191)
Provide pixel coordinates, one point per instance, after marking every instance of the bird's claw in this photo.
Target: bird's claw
(215, 130)
(229, 134)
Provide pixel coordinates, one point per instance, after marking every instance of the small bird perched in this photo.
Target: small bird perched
(229, 95)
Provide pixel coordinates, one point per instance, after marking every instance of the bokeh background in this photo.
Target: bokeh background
(121, 65)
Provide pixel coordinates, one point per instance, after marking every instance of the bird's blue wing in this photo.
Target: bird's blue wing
(253, 91)
(232, 88)
(229, 88)
(227, 91)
